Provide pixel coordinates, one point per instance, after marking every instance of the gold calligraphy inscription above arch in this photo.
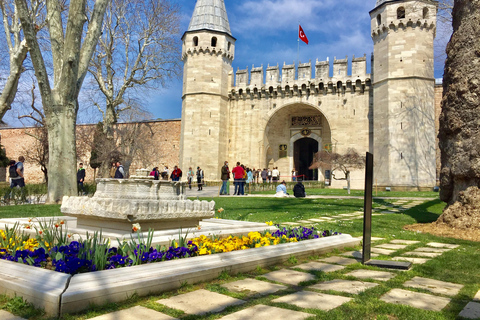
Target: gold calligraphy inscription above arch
(310, 121)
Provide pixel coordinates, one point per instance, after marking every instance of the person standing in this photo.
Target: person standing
(275, 174)
(249, 178)
(80, 179)
(120, 172)
(176, 174)
(264, 175)
(294, 175)
(269, 175)
(225, 177)
(238, 174)
(113, 169)
(155, 174)
(190, 177)
(200, 178)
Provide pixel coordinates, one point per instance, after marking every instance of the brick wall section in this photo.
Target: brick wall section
(163, 140)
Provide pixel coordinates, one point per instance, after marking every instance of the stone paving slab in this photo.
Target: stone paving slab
(347, 215)
(340, 260)
(423, 254)
(262, 312)
(253, 287)
(305, 221)
(425, 249)
(371, 274)
(313, 300)
(434, 286)
(471, 311)
(443, 245)
(318, 220)
(318, 266)
(348, 286)
(415, 299)
(291, 224)
(382, 251)
(137, 312)
(477, 297)
(399, 241)
(289, 276)
(412, 259)
(392, 246)
(4, 315)
(357, 254)
(200, 302)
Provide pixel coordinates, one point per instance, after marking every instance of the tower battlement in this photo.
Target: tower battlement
(298, 80)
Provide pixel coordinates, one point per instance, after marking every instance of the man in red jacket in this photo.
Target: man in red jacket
(176, 174)
(238, 174)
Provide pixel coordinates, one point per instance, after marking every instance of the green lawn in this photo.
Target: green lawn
(360, 193)
(459, 265)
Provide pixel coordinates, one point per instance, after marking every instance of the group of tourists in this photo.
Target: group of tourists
(241, 176)
(17, 179)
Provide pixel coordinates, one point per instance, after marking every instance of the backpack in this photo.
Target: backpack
(299, 190)
(12, 171)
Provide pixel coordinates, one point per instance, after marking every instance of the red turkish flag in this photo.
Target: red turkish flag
(302, 35)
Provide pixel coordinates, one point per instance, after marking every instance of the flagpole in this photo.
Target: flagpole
(298, 43)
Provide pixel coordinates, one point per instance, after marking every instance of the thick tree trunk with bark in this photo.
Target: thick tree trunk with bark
(459, 134)
(71, 54)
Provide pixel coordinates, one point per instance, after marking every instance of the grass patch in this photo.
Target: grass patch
(30, 211)
(360, 193)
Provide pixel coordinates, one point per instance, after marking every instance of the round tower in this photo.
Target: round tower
(207, 53)
(403, 32)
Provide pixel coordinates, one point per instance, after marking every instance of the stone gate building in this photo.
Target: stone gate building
(281, 116)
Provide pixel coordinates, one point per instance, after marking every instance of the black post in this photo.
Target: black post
(367, 209)
(367, 224)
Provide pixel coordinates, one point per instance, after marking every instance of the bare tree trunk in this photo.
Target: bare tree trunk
(459, 137)
(62, 151)
(70, 58)
(348, 181)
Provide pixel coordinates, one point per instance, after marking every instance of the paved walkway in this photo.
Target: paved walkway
(297, 286)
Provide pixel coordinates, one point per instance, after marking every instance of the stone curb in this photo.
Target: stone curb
(43, 288)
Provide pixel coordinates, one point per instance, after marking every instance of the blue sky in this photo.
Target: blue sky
(267, 32)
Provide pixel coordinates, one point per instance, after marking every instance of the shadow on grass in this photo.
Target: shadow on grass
(427, 212)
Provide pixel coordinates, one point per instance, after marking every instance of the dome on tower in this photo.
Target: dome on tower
(210, 15)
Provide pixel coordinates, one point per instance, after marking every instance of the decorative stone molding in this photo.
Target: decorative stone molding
(119, 203)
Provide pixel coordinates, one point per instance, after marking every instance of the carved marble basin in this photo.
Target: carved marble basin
(119, 203)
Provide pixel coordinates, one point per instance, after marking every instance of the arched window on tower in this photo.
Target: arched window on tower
(401, 13)
(425, 13)
(195, 41)
(379, 20)
(214, 41)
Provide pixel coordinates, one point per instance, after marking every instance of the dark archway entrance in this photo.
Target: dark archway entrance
(303, 157)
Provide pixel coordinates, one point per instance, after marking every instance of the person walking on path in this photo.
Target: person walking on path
(190, 177)
(225, 177)
(238, 174)
(200, 179)
(16, 176)
(120, 172)
(80, 179)
(176, 174)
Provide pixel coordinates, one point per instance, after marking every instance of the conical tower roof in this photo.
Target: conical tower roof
(210, 15)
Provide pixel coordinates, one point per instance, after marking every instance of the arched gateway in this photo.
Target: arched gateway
(292, 135)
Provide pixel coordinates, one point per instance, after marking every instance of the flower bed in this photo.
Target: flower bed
(53, 248)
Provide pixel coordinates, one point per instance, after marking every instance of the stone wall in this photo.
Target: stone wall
(162, 146)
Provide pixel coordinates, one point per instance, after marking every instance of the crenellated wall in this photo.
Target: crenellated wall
(301, 76)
